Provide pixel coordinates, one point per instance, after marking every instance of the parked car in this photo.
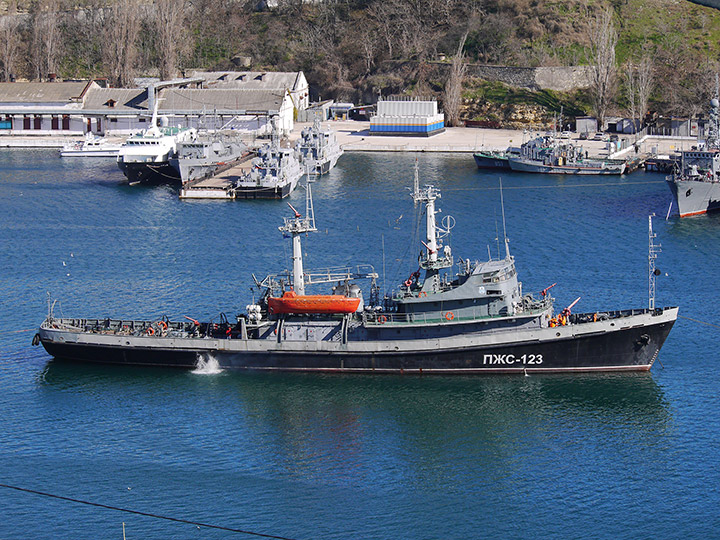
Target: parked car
(565, 135)
(583, 136)
(614, 138)
(599, 136)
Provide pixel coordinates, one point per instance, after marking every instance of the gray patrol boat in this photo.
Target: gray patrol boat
(208, 154)
(474, 320)
(695, 182)
(549, 155)
(318, 149)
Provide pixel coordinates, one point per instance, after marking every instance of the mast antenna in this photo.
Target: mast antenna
(653, 250)
(502, 205)
(416, 184)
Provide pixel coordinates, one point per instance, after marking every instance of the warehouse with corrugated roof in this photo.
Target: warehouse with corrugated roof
(76, 108)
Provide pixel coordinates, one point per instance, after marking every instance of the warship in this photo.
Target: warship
(695, 181)
(318, 149)
(473, 320)
(274, 174)
(549, 155)
(207, 154)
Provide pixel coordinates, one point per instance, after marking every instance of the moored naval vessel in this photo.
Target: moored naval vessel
(274, 174)
(549, 155)
(208, 154)
(445, 318)
(318, 149)
(145, 156)
(495, 159)
(695, 182)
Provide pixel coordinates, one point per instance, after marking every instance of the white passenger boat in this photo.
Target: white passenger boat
(92, 146)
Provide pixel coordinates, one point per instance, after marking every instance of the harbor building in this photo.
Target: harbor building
(207, 100)
(403, 116)
(49, 108)
(293, 82)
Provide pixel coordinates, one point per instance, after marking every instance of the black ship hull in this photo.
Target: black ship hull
(490, 161)
(150, 173)
(631, 348)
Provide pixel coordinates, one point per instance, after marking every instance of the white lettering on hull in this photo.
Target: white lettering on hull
(511, 359)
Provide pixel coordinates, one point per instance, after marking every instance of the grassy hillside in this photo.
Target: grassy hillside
(355, 49)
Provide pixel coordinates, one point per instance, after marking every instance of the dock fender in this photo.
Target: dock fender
(36, 340)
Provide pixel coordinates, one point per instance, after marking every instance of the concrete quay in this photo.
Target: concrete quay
(355, 137)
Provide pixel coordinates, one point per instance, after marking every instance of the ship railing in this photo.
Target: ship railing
(578, 318)
(379, 318)
(127, 327)
(326, 275)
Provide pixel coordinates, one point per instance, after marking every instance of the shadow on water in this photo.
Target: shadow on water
(607, 396)
(396, 433)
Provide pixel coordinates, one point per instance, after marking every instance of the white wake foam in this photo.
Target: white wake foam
(207, 364)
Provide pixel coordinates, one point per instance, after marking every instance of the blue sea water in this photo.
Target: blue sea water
(340, 457)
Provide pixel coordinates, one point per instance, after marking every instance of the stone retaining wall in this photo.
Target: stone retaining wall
(560, 79)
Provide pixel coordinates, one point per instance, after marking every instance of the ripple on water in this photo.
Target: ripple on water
(339, 456)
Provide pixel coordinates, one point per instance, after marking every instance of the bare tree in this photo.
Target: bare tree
(603, 39)
(9, 38)
(170, 35)
(645, 82)
(453, 87)
(47, 38)
(638, 86)
(123, 26)
(385, 12)
(630, 71)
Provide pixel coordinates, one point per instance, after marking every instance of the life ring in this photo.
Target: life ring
(422, 294)
(449, 315)
(382, 319)
(162, 325)
(150, 331)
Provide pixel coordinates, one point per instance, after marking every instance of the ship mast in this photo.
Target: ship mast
(296, 226)
(507, 242)
(712, 140)
(653, 250)
(427, 195)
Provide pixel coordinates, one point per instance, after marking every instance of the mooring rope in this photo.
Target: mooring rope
(698, 321)
(146, 514)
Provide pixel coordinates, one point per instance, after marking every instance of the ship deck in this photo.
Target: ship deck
(217, 186)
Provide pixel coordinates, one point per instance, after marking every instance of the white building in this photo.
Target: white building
(294, 82)
(407, 116)
(75, 108)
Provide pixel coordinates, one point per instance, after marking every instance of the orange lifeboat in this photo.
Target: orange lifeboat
(290, 302)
